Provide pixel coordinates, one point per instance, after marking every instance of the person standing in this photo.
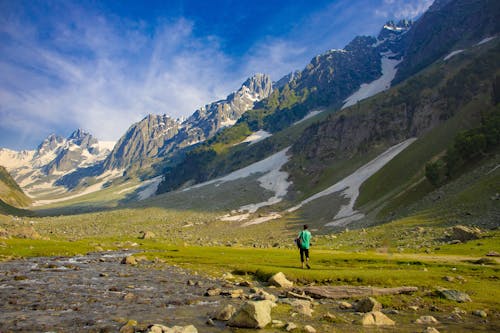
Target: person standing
(304, 242)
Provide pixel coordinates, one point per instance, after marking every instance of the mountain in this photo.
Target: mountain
(156, 136)
(327, 81)
(447, 26)
(366, 126)
(40, 170)
(142, 141)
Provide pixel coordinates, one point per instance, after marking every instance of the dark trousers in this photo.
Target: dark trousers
(302, 252)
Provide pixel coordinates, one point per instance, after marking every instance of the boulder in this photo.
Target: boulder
(290, 327)
(147, 235)
(309, 329)
(302, 307)
(367, 304)
(430, 330)
(453, 295)
(262, 295)
(181, 329)
(280, 280)
(129, 260)
(464, 233)
(252, 315)
(376, 318)
(345, 305)
(213, 291)
(225, 313)
(480, 313)
(426, 320)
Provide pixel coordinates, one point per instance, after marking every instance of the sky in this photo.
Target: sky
(103, 65)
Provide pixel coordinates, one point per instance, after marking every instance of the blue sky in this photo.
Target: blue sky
(103, 65)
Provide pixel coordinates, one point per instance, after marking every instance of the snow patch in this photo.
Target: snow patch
(273, 179)
(149, 187)
(382, 83)
(256, 137)
(235, 218)
(452, 54)
(309, 115)
(485, 40)
(108, 175)
(106, 145)
(349, 186)
(259, 220)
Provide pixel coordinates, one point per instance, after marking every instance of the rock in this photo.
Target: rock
(367, 304)
(252, 315)
(225, 313)
(129, 297)
(245, 284)
(213, 291)
(210, 322)
(290, 327)
(480, 313)
(190, 283)
(181, 329)
(263, 295)
(449, 278)
(493, 254)
(291, 294)
(413, 307)
(127, 329)
(430, 330)
(129, 260)
(228, 276)
(464, 233)
(277, 324)
(147, 235)
(302, 307)
(280, 280)
(426, 320)
(345, 305)
(236, 293)
(376, 318)
(156, 328)
(309, 329)
(454, 295)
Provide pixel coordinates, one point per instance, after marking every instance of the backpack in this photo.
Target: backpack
(298, 241)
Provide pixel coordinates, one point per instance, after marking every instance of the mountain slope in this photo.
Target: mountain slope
(156, 136)
(326, 81)
(10, 192)
(445, 27)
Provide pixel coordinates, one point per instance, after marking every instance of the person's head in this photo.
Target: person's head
(305, 227)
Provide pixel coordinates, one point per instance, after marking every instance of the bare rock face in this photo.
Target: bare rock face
(376, 318)
(280, 280)
(252, 315)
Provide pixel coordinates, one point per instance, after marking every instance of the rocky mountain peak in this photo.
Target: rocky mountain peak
(259, 84)
(50, 142)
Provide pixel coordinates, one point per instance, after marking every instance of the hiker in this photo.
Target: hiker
(303, 242)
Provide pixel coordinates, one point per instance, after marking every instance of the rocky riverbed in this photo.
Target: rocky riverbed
(104, 292)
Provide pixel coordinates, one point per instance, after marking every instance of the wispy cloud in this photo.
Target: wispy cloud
(65, 65)
(103, 75)
(402, 8)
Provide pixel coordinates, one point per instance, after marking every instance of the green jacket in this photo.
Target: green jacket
(305, 237)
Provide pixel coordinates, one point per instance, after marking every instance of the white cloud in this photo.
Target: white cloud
(103, 75)
(400, 9)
